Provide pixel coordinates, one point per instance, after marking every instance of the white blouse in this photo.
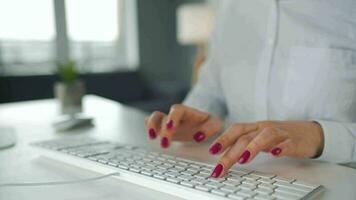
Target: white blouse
(285, 60)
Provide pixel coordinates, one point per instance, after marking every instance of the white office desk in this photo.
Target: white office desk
(32, 121)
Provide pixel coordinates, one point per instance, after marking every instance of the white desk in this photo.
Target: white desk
(32, 121)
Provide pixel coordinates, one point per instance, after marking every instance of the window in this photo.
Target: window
(99, 35)
(26, 40)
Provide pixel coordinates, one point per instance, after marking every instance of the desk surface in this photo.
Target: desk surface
(32, 121)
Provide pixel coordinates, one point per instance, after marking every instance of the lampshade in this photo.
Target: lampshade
(195, 23)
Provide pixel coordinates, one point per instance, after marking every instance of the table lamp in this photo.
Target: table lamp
(194, 26)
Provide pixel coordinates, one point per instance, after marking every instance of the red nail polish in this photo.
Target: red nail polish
(169, 124)
(276, 151)
(217, 171)
(244, 157)
(152, 133)
(164, 142)
(215, 148)
(199, 136)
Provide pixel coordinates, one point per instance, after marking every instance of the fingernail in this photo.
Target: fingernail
(152, 133)
(276, 151)
(217, 171)
(164, 142)
(244, 157)
(170, 124)
(199, 136)
(215, 148)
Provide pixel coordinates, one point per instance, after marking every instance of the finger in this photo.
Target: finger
(284, 148)
(267, 138)
(178, 113)
(208, 129)
(231, 156)
(154, 122)
(230, 136)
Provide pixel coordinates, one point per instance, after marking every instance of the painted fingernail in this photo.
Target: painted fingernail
(244, 157)
(164, 142)
(152, 133)
(215, 148)
(169, 124)
(217, 171)
(276, 151)
(199, 136)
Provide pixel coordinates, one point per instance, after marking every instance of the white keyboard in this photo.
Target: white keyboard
(173, 175)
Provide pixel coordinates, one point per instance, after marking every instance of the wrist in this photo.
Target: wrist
(320, 139)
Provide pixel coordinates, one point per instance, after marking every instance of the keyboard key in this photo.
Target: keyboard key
(122, 166)
(135, 169)
(264, 191)
(189, 172)
(266, 180)
(232, 183)
(202, 175)
(304, 184)
(187, 183)
(185, 177)
(159, 176)
(263, 175)
(293, 186)
(147, 173)
(199, 181)
(263, 197)
(112, 163)
(250, 182)
(282, 179)
(246, 193)
(251, 177)
(172, 174)
(229, 188)
(285, 196)
(218, 180)
(236, 196)
(237, 179)
(203, 188)
(214, 184)
(159, 171)
(219, 192)
(291, 191)
(173, 180)
(267, 186)
(246, 187)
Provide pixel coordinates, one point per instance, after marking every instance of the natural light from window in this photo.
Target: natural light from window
(93, 20)
(26, 20)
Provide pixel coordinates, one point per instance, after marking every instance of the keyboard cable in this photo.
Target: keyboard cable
(59, 182)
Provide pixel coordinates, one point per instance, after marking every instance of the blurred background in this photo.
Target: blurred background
(144, 53)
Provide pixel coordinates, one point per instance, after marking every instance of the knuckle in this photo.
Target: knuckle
(176, 107)
(265, 124)
(156, 113)
(244, 140)
(224, 139)
(256, 144)
(237, 127)
(270, 131)
(227, 161)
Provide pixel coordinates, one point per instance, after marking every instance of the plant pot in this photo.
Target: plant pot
(70, 96)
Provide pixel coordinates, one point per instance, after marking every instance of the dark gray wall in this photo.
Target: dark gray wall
(163, 62)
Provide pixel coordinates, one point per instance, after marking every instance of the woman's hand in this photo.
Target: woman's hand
(243, 142)
(182, 123)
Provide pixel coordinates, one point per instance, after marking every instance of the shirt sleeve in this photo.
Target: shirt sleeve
(339, 142)
(207, 95)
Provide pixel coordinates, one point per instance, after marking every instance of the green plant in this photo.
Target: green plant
(67, 72)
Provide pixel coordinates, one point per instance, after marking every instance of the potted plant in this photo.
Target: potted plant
(69, 88)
